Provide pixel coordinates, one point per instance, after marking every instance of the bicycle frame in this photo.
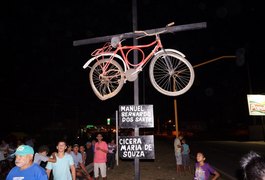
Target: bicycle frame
(145, 57)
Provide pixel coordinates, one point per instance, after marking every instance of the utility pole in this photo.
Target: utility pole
(136, 85)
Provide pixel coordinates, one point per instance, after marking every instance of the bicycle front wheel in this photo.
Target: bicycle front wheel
(106, 78)
(170, 73)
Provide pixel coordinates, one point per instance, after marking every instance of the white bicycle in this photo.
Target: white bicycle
(170, 73)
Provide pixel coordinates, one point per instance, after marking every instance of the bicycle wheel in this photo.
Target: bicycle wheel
(106, 78)
(170, 73)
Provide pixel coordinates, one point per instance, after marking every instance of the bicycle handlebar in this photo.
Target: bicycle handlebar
(155, 33)
(116, 39)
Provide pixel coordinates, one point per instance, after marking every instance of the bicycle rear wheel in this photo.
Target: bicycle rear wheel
(170, 73)
(106, 78)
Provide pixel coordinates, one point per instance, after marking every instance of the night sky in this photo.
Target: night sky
(43, 82)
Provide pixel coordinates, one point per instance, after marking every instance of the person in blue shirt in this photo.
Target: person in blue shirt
(25, 168)
(185, 152)
(64, 168)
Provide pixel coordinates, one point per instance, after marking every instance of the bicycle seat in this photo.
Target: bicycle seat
(115, 41)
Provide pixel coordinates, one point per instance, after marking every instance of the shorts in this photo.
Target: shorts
(178, 159)
(103, 170)
(185, 159)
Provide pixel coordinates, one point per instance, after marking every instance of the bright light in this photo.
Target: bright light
(108, 121)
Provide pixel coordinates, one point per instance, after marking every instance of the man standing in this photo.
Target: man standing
(100, 158)
(89, 163)
(25, 168)
(64, 167)
(178, 155)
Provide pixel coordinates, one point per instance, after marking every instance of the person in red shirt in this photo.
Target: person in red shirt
(100, 158)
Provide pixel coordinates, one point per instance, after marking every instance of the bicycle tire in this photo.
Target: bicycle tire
(170, 73)
(106, 85)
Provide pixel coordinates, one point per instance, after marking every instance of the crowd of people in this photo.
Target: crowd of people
(93, 159)
(69, 161)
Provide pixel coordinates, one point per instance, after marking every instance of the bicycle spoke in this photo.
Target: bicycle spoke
(106, 78)
(162, 74)
(181, 77)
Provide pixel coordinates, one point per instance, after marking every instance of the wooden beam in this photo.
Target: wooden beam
(178, 28)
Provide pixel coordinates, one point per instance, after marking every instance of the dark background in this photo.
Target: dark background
(43, 83)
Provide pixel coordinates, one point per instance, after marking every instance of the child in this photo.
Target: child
(111, 154)
(69, 149)
(203, 170)
(185, 152)
(83, 153)
(41, 155)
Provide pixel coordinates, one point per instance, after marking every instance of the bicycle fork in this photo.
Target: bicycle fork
(168, 62)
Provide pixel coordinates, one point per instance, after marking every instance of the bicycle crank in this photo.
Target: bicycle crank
(131, 74)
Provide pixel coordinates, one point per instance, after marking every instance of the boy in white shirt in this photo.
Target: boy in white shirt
(41, 155)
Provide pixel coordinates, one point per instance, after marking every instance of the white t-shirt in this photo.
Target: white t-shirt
(176, 144)
(39, 157)
(77, 158)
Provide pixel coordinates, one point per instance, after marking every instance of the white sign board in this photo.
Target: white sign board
(141, 147)
(132, 116)
(256, 104)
